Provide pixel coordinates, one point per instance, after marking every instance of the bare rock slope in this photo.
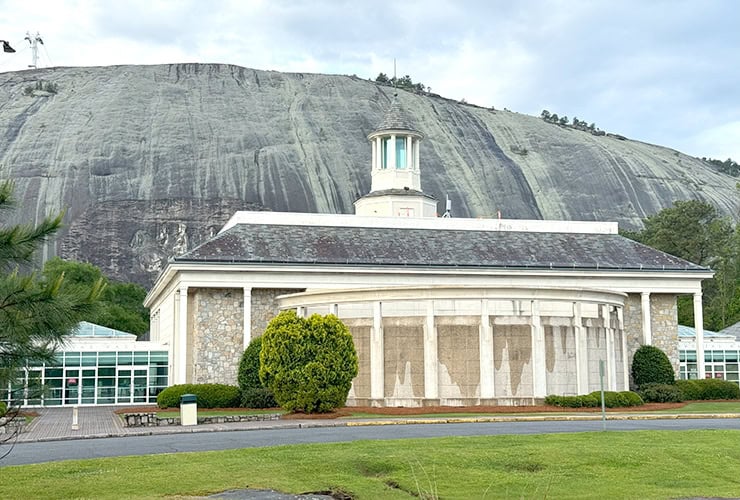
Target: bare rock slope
(149, 161)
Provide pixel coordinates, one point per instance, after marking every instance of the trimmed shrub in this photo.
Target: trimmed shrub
(711, 388)
(691, 390)
(618, 399)
(253, 393)
(611, 400)
(660, 393)
(650, 365)
(583, 401)
(632, 398)
(209, 395)
(308, 364)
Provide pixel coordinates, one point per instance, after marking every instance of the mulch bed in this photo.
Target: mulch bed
(431, 410)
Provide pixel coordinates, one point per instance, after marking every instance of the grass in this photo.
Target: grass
(708, 407)
(644, 464)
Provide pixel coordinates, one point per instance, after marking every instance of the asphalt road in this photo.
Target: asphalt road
(50, 451)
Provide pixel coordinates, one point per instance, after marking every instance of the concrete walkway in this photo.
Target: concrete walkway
(54, 424)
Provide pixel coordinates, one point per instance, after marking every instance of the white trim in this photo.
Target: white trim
(647, 329)
(346, 220)
(699, 328)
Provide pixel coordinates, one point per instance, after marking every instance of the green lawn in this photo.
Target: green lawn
(658, 464)
(709, 407)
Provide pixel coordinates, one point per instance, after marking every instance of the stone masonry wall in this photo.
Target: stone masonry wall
(218, 334)
(265, 306)
(663, 325)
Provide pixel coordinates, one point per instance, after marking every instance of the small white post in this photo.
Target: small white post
(75, 424)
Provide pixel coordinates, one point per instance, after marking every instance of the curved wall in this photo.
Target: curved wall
(476, 346)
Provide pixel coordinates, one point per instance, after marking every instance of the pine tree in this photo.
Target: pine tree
(36, 314)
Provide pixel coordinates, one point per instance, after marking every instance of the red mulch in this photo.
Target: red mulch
(429, 410)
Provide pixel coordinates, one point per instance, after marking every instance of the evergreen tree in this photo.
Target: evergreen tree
(36, 314)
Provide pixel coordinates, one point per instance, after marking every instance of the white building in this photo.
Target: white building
(442, 310)
(721, 355)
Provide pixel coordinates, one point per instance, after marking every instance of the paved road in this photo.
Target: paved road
(26, 453)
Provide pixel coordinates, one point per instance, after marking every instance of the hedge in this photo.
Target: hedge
(661, 393)
(209, 395)
(253, 393)
(710, 388)
(3, 409)
(611, 400)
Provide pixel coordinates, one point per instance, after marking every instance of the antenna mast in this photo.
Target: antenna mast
(34, 41)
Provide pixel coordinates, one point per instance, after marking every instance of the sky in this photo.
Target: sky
(664, 72)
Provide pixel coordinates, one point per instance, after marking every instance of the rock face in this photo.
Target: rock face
(149, 161)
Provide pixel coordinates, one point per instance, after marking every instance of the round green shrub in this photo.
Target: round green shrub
(209, 395)
(660, 393)
(308, 364)
(253, 393)
(650, 365)
(691, 390)
(710, 388)
(632, 398)
(582, 401)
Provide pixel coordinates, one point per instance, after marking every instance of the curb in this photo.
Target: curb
(378, 422)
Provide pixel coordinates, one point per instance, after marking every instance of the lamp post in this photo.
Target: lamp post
(6, 47)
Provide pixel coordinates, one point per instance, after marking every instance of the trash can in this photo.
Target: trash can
(188, 409)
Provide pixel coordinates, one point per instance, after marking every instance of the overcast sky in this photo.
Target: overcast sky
(665, 72)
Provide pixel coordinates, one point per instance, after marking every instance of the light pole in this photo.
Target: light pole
(7, 47)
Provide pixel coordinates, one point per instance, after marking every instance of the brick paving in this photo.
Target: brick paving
(55, 424)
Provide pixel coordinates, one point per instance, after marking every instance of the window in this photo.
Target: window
(384, 152)
(400, 152)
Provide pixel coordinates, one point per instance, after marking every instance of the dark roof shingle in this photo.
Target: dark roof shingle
(361, 246)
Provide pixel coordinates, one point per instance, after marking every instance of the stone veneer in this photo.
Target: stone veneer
(218, 335)
(265, 306)
(663, 325)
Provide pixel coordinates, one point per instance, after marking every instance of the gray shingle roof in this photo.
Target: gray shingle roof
(360, 246)
(398, 192)
(395, 119)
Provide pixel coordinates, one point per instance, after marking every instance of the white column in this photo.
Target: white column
(625, 356)
(374, 149)
(301, 311)
(581, 350)
(487, 386)
(647, 333)
(431, 360)
(539, 370)
(334, 309)
(247, 316)
(377, 358)
(699, 327)
(182, 336)
(392, 153)
(416, 154)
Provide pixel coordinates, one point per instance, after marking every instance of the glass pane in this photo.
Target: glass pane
(400, 152)
(732, 376)
(731, 367)
(718, 355)
(384, 152)
(139, 373)
(158, 358)
(106, 372)
(89, 358)
(731, 355)
(140, 389)
(72, 359)
(106, 358)
(88, 373)
(141, 358)
(682, 355)
(124, 358)
(53, 372)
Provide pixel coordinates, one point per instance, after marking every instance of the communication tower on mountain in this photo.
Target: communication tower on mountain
(34, 41)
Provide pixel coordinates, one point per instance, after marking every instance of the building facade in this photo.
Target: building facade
(442, 310)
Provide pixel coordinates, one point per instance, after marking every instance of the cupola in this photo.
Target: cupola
(395, 174)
